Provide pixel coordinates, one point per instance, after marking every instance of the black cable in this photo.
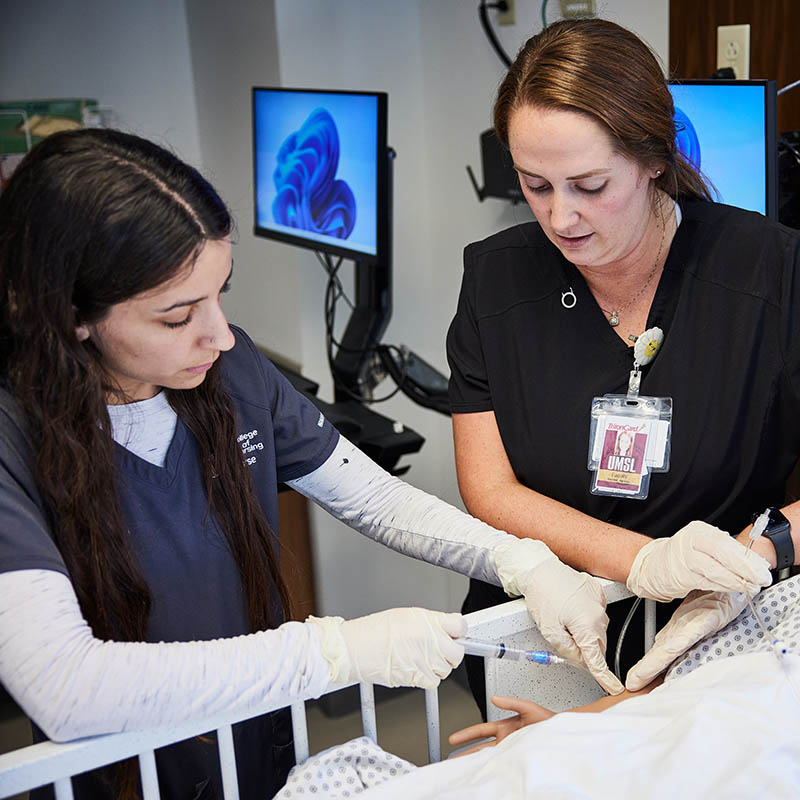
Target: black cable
(435, 402)
(399, 374)
(329, 267)
(790, 146)
(489, 31)
(334, 291)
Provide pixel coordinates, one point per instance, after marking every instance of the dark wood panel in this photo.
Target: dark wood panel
(774, 50)
(296, 564)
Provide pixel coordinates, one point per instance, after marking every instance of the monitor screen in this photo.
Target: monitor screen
(320, 163)
(727, 128)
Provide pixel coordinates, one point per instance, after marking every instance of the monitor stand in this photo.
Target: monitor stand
(384, 440)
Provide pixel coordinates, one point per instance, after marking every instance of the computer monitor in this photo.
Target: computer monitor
(321, 166)
(728, 129)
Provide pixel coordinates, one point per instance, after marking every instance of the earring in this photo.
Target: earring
(658, 173)
(82, 332)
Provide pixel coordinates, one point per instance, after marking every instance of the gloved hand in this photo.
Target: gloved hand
(699, 615)
(698, 556)
(568, 607)
(398, 647)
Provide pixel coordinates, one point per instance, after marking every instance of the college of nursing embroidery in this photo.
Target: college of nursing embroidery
(630, 434)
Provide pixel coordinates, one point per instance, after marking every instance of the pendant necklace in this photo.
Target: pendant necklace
(613, 315)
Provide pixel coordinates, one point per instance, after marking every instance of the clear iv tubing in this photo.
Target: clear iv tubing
(621, 637)
(473, 647)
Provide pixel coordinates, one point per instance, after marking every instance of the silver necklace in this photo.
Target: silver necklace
(613, 316)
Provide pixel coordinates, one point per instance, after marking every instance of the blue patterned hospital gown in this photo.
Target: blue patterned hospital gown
(778, 606)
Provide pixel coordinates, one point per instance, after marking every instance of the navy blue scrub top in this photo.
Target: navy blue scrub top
(182, 553)
(197, 592)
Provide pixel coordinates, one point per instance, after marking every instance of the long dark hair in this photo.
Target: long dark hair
(89, 219)
(604, 70)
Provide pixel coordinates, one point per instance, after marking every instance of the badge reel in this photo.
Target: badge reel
(630, 434)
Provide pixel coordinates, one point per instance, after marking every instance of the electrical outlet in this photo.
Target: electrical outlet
(577, 8)
(733, 49)
(506, 17)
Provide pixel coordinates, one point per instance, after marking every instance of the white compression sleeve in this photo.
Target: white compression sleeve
(355, 490)
(72, 684)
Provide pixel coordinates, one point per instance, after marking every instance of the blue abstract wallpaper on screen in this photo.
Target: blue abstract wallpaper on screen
(686, 138)
(309, 196)
(316, 166)
(726, 123)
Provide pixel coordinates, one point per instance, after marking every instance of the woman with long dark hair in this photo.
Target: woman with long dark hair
(138, 577)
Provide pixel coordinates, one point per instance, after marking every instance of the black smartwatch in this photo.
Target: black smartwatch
(779, 532)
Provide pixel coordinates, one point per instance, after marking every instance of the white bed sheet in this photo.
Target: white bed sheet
(731, 729)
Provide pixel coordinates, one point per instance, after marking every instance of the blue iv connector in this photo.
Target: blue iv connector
(499, 650)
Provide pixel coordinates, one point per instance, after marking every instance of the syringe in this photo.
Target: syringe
(499, 650)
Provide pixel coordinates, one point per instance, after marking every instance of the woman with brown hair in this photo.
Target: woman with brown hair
(143, 440)
(626, 242)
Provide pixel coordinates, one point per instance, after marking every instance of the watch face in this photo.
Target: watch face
(777, 519)
(778, 531)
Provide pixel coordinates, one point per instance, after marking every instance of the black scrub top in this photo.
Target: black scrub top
(728, 304)
(729, 307)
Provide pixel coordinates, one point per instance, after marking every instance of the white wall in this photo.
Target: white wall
(378, 46)
(233, 48)
(433, 59)
(180, 71)
(133, 57)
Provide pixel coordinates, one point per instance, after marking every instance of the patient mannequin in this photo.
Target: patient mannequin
(361, 764)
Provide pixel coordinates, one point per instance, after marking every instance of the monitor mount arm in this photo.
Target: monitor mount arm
(361, 361)
(354, 361)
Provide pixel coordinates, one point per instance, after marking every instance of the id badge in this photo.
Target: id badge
(629, 439)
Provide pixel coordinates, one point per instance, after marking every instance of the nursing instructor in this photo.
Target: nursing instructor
(631, 283)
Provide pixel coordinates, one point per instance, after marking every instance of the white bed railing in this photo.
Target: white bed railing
(555, 687)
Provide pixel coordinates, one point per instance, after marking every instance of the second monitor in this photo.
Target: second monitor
(728, 129)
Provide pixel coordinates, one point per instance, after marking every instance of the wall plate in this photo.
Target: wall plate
(508, 16)
(733, 49)
(577, 8)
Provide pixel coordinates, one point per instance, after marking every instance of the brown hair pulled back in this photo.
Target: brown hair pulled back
(599, 68)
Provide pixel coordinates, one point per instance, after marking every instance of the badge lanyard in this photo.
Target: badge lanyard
(630, 434)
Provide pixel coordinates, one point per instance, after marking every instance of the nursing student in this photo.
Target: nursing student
(630, 282)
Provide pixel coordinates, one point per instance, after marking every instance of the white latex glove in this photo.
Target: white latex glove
(398, 647)
(698, 616)
(568, 607)
(698, 556)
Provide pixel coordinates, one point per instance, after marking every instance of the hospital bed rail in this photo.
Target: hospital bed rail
(554, 686)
